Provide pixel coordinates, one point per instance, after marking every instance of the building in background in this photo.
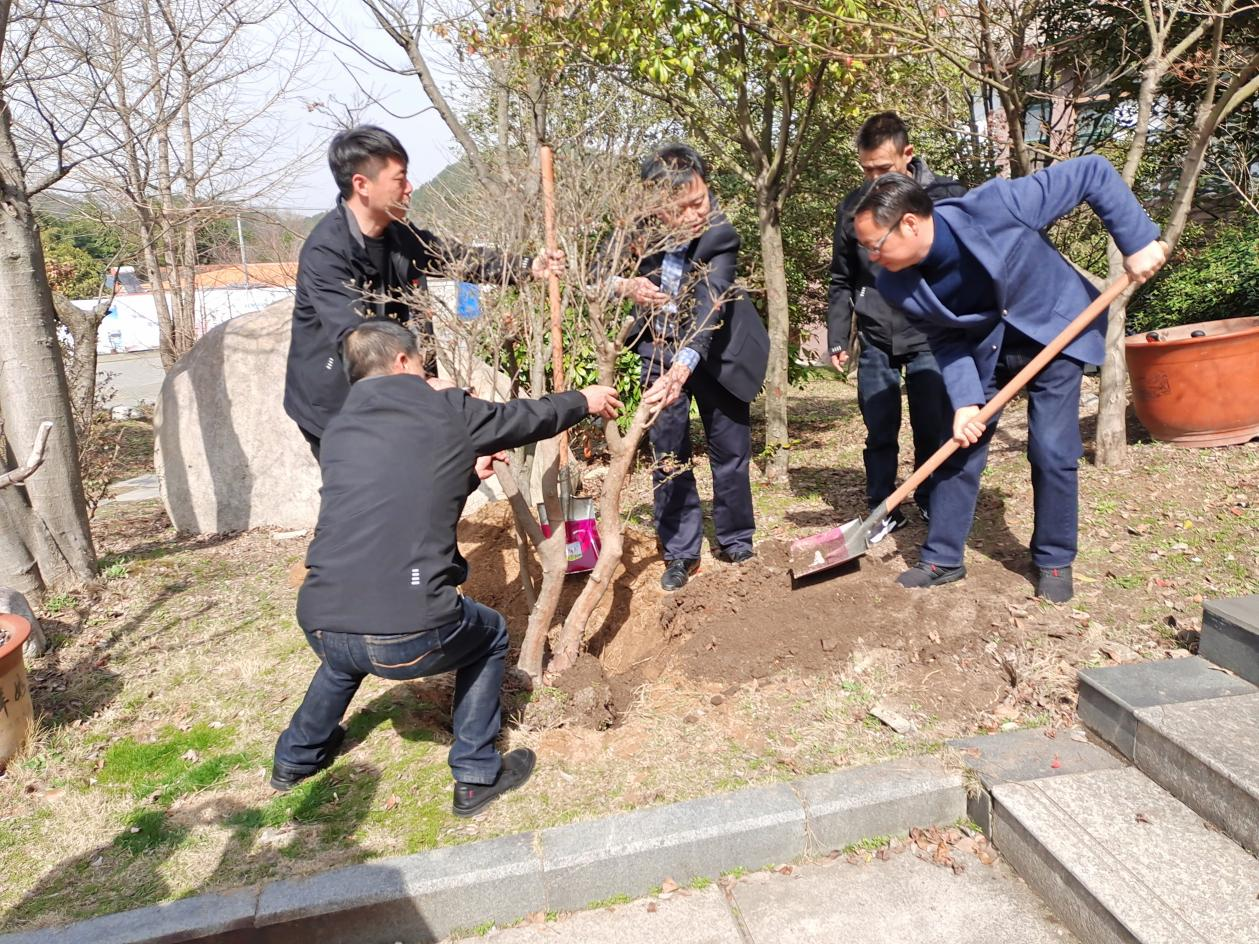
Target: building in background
(223, 292)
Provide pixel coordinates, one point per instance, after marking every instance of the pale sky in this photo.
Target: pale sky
(425, 136)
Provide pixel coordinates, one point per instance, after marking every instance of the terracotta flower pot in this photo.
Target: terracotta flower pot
(15, 695)
(1197, 391)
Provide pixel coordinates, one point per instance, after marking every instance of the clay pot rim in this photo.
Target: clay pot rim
(19, 629)
(1139, 340)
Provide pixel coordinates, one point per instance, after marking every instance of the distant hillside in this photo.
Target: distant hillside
(429, 202)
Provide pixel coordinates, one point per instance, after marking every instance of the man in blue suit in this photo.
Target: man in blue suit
(979, 277)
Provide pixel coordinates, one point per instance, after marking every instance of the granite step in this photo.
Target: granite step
(1122, 861)
(1110, 697)
(1207, 754)
(1190, 727)
(1230, 635)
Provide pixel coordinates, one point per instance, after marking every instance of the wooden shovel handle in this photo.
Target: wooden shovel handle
(547, 160)
(1010, 390)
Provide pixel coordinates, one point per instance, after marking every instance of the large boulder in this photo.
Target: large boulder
(228, 457)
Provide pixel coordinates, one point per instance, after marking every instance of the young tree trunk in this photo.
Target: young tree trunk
(1111, 441)
(611, 541)
(779, 316)
(554, 564)
(81, 363)
(51, 517)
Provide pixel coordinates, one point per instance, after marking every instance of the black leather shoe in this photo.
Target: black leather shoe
(923, 575)
(739, 555)
(1055, 584)
(471, 798)
(677, 572)
(284, 779)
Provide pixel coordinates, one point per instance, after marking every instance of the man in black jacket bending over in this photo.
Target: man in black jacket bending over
(890, 345)
(381, 595)
(358, 259)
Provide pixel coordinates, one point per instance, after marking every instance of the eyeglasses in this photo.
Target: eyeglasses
(877, 248)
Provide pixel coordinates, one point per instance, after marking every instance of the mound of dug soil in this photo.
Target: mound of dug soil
(734, 625)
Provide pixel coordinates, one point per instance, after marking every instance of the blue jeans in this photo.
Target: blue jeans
(474, 648)
(1054, 448)
(879, 396)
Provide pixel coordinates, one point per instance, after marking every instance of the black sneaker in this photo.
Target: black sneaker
(923, 575)
(471, 798)
(677, 572)
(893, 522)
(738, 555)
(285, 779)
(1055, 584)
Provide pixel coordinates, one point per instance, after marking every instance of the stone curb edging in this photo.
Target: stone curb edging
(425, 897)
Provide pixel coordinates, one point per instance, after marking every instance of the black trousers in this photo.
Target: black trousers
(311, 440)
(727, 425)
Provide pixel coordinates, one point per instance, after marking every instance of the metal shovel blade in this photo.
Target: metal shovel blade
(828, 549)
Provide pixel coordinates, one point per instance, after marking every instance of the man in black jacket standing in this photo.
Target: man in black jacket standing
(358, 259)
(381, 595)
(697, 336)
(890, 346)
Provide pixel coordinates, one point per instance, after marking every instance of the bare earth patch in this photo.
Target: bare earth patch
(167, 683)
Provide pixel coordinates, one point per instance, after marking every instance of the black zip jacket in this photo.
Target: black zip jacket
(334, 271)
(398, 465)
(852, 288)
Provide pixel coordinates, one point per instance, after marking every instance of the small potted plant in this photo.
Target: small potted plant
(16, 712)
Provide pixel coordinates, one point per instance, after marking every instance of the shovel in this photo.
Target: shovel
(838, 546)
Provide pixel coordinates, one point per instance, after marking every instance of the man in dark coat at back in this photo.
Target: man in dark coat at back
(891, 347)
(381, 595)
(357, 261)
(698, 336)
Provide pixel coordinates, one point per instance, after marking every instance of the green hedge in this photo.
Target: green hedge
(1213, 275)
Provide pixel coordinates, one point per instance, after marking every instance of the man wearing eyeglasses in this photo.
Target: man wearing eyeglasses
(892, 350)
(980, 279)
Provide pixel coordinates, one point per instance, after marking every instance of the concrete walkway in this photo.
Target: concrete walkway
(892, 901)
(132, 378)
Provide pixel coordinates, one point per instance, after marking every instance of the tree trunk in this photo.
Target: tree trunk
(611, 541)
(50, 510)
(81, 367)
(779, 316)
(554, 564)
(1111, 441)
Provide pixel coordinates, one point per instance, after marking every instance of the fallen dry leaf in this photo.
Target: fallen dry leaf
(669, 885)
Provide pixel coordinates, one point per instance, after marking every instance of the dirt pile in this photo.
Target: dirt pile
(951, 652)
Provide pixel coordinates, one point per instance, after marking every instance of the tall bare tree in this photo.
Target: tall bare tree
(44, 536)
(185, 134)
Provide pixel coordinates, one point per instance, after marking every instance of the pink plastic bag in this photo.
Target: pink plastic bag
(581, 535)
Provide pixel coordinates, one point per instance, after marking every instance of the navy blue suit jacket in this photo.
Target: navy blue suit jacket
(727, 331)
(1002, 223)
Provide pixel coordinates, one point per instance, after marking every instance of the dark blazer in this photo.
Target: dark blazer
(725, 328)
(852, 290)
(1002, 223)
(333, 273)
(398, 466)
